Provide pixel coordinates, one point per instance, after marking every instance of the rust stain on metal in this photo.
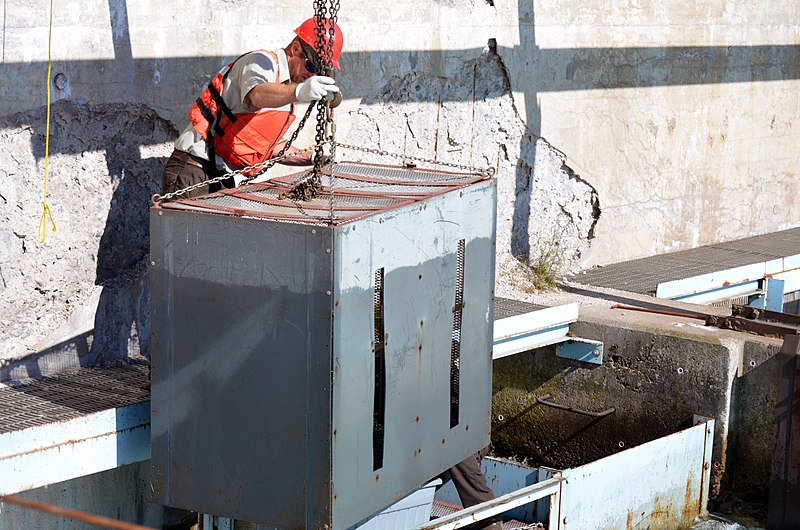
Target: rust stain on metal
(691, 504)
(663, 514)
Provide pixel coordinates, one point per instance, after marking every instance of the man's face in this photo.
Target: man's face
(302, 62)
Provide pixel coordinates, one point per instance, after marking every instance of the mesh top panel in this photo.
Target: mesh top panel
(359, 190)
(320, 202)
(344, 184)
(399, 173)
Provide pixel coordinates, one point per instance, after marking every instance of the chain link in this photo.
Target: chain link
(484, 171)
(259, 168)
(325, 128)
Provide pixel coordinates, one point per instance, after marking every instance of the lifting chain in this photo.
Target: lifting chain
(324, 117)
(471, 169)
(259, 168)
(327, 14)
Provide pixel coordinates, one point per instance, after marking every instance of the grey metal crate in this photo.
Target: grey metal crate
(274, 398)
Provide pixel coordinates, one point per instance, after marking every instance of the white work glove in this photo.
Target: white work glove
(316, 88)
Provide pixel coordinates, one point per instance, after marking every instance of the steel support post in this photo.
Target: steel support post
(784, 495)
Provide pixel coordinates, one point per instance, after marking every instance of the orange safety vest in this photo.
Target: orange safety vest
(241, 139)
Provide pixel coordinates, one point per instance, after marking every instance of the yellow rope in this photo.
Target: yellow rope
(41, 233)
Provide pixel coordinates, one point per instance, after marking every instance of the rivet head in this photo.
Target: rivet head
(327, 251)
(328, 293)
(152, 263)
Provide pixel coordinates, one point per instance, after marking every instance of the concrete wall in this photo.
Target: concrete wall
(657, 372)
(122, 493)
(617, 129)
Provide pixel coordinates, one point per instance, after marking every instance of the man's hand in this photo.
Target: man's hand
(315, 88)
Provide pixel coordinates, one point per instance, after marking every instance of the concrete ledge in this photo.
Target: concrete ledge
(658, 371)
(47, 454)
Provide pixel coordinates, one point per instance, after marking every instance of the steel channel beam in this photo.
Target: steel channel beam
(532, 330)
(751, 326)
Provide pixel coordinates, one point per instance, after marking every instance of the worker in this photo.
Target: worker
(470, 484)
(242, 115)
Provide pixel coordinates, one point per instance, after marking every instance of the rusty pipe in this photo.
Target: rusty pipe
(95, 520)
(659, 311)
(542, 400)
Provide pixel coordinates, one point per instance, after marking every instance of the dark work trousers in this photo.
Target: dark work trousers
(183, 170)
(471, 486)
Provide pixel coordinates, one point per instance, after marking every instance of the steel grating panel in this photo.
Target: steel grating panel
(390, 173)
(359, 190)
(71, 394)
(773, 249)
(643, 275)
(321, 202)
(506, 307)
(350, 185)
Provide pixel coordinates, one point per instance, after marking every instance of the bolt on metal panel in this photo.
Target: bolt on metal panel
(240, 370)
(274, 399)
(417, 248)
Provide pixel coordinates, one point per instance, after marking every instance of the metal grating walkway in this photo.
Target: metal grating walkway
(75, 393)
(505, 307)
(72, 394)
(645, 274)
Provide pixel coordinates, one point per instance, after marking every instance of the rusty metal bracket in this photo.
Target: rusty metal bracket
(754, 313)
(751, 326)
(586, 350)
(542, 400)
(745, 319)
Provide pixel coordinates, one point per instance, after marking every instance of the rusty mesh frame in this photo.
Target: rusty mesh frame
(359, 190)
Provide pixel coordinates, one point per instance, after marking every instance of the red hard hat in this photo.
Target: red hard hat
(306, 32)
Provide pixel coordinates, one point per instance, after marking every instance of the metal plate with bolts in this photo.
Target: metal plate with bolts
(586, 350)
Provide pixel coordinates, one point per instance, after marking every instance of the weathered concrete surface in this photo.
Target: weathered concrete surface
(81, 297)
(657, 372)
(122, 493)
(614, 88)
(683, 119)
(470, 119)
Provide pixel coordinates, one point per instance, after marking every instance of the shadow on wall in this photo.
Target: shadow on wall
(121, 320)
(90, 279)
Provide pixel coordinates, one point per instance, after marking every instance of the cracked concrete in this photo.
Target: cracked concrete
(81, 297)
(470, 119)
